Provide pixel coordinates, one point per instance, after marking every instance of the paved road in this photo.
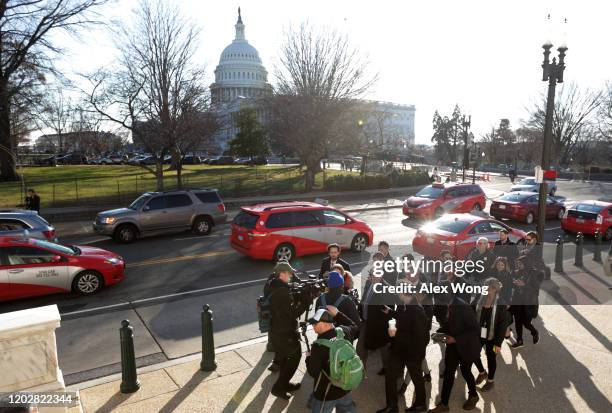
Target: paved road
(169, 278)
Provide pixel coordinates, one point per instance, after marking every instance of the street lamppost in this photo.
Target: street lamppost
(466, 152)
(553, 73)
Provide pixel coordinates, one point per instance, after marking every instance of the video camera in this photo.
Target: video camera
(306, 290)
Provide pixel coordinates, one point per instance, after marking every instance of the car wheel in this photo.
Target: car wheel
(202, 226)
(438, 212)
(477, 207)
(87, 283)
(360, 243)
(529, 218)
(284, 252)
(560, 214)
(608, 234)
(125, 234)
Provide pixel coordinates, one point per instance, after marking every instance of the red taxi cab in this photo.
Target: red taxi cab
(587, 217)
(438, 199)
(284, 230)
(458, 233)
(32, 267)
(523, 206)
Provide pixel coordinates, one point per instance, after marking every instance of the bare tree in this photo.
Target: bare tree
(26, 55)
(605, 112)
(156, 90)
(55, 115)
(319, 78)
(573, 118)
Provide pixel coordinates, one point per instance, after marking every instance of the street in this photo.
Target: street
(169, 278)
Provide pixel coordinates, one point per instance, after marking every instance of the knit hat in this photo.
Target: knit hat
(283, 266)
(335, 280)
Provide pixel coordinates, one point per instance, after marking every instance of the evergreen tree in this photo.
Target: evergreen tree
(251, 140)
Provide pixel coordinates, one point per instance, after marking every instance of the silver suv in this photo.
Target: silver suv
(24, 223)
(162, 212)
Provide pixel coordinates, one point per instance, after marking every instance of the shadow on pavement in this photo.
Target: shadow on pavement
(172, 404)
(258, 402)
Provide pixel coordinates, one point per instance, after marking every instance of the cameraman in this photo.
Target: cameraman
(283, 329)
(335, 296)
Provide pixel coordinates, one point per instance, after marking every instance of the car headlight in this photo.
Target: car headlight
(113, 261)
(108, 220)
(424, 205)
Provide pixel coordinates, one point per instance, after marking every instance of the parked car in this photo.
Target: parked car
(192, 160)
(25, 223)
(73, 158)
(222, 160)
(285, 230)
(438, 199)
(523, 206)
(588, 217)
(530, 185)
(163, 212)
(257, 160)
(48, 161)
(458, 233)
(31, 267)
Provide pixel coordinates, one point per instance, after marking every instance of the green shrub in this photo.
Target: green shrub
(395, 179)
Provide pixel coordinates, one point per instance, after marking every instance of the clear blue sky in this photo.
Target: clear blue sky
(483, 55)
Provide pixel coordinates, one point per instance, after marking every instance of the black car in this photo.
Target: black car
(257, 160)
(192, 160)
(73, 158)
(50, 161)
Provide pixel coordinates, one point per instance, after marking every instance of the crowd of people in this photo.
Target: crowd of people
(400, 326)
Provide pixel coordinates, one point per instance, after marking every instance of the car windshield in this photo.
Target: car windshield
(515, 197)
(453, 225)
(528, 181)
(430, 192)
(595, 209)
(139, 202)
(60, 249)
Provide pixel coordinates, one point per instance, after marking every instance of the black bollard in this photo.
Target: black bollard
(129, 378)
(579, 241)
(208, 341)
(559, 255)
(597, 253)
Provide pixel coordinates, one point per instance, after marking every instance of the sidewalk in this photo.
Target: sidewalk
(568, 371)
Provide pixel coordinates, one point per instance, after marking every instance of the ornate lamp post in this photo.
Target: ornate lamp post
(553, 73)
(466, 151)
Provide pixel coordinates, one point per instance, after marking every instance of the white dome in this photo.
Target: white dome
(240, 71)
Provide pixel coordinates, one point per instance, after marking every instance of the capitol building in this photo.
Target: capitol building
(241, 80)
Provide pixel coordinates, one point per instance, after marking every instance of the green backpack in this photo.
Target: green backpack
(345, 366)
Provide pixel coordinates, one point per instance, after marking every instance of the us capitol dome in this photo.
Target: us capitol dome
(240, 72)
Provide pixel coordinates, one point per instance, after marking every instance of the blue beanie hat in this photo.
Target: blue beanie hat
(335, 280)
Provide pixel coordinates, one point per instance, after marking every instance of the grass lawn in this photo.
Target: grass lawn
(103, 185)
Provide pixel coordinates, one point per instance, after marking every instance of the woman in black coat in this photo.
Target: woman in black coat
(524, 308)
(492, 316)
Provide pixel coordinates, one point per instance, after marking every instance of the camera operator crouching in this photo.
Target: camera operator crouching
(285, 310)
(335, 296)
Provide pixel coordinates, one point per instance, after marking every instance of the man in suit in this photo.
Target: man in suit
(334, 258)
(462, 350)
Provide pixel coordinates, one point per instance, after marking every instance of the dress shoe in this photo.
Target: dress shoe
(536, 337)
(291, 387)
(281, 394)
(274, 367)
(414, 408)
(427, 377)
(488, 386)
(439, 409)
(470, 403)
(481, 377)
(381, 372)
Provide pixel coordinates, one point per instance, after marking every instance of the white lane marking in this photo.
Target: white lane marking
(161, 297)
